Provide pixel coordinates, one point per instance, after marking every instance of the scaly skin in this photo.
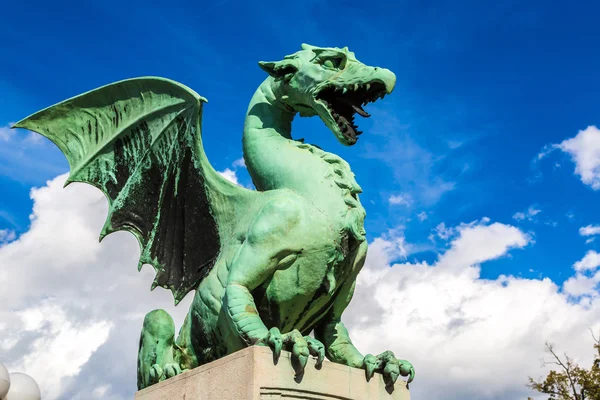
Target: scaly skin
(274, 284)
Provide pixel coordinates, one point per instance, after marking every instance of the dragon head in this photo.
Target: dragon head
(331, 83)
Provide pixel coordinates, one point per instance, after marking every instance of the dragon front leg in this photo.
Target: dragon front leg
(156, 357)
(271, 244)
(248, 324)
(339, 348)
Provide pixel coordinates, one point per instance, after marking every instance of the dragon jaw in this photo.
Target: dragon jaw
(337, 105)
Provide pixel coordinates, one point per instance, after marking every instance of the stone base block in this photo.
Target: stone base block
(251, 374)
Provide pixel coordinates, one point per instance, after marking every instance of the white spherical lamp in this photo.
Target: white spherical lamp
(4, 382)
(23, 387)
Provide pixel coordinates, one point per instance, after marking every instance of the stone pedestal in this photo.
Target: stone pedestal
(250, 374)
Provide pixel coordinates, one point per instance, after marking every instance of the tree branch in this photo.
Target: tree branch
(565, 367)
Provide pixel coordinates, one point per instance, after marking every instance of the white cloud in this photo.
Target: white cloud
(422, 216)
(589, 230)
(100, 391)
(519, 216)
(443, 232)
(584, 150)
(392, 244)
(7, 235)
(26, 156)
(446, 232)
(60, 342)
(239, 163)
(72, 308)
(230, 175)
(545, 152)
(6, 133)
(585, 282)
(582, 285)
(529, 214)
(67, 302)
(479, 242)
(468, 337)
(400, 199)
(590, 261)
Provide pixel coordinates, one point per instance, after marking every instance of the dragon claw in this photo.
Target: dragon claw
(407, 369)
(171, 370)
(301, 347)
(156, 372)
(275, 342)
(391, 372)
(316, 349)
(159, 373)
(370, 364)
(299, 357)
(389, 366)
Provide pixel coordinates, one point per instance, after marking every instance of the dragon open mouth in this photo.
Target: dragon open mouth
(344, 102)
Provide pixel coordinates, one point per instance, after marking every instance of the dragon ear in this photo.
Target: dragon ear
(307, 46)
(314, 49)
(279, 69)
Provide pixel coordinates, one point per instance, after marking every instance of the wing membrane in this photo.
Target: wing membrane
(138, 141)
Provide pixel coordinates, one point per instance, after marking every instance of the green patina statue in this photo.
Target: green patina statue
(270, 265)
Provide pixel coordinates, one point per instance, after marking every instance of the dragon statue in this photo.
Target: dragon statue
(269, 265)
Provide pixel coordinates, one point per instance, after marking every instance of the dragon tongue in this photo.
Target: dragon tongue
(360, 111)
(357, 108)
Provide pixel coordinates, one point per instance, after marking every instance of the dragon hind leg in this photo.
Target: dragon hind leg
(157, 352)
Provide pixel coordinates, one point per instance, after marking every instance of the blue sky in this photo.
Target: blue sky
(482, 88)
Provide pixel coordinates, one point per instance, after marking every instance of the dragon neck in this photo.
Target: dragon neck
(276, 161)
(268, 125)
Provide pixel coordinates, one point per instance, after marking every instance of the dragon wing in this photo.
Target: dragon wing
(139, 142)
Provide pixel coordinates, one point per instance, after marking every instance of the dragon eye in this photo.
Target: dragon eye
(333, 62)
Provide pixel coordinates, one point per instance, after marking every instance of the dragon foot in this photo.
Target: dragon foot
(300, 347)
(159, 373)
(389, 366)
(157, 353)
